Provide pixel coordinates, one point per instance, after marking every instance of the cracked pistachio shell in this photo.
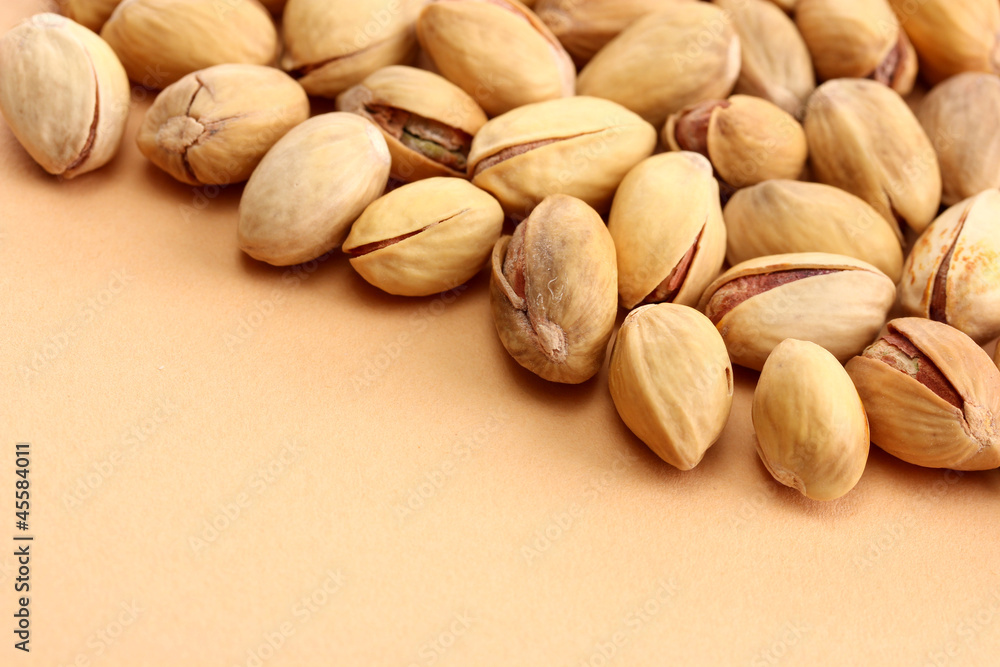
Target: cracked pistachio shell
(859, 39)
(64, 94)
(671, 381)
(90, 14)
(953, 272)
(426, 237)
(837, 302)
(782, 216)
(667, 226)
(580, 146)
(666, 61)
(516, 61)
(932, 396)
(776, 64)
(160, 41)
(864, 139)
(955, 116)
(214, 126)
(427, 121)
(310, 187)
(747, 139)
(331, 45)
(952, 36)
(553, 291)
(810, 427)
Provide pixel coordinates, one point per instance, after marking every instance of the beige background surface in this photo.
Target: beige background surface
(388, 488)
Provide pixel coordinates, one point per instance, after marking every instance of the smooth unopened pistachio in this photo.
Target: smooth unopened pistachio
(932, 396)
(215, 125)
(89, 13)
(553, 290)
(64, 94)
(810, 427)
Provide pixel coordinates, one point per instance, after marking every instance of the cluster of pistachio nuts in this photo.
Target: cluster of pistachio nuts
(744, 177)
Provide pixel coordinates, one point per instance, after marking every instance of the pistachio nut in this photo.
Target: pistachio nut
(954, 116)
(747, 139)
(310, 187)
(516, 61)
(160, 41)
(952, 274)
(864, 139)
(932, 396)
(837, 302)
(91, 14)
(702, 62)
(952, 36)
(810, 427)
(425, 237)
(553, 290)
(214, 126)
(857, 39)
(671, 381)
(64, 94)
(331, 45)
(667, 226)
(427, 121)
(782, 216)
(580, 146)
(776, 64)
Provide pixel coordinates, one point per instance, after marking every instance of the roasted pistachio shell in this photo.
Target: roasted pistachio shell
(215, 125)
(427, 121)
(668, 231)
(776, 64)
(666, 61)
(580, 146)
(953, 274)
(781, 216)
(864, 139)
(516, 61)
(747, 139)
(810, 428)
(310, 187)
(956, 116)
(63, 93)
(552, 291)
(90, 14)
(857, 39)
(932, 396)
(425, 237)
(331, 45)
(671, 381)
(837, 302)
(160, 41)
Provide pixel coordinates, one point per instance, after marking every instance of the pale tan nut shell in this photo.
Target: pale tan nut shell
(64, 94)
(810, 427)
(783, 216)
(667, 205)
(554, 301)
(425, 237)
(953, 272)
(748, 139)
(91, 14)
(671, 381)
(841, 311)
(864, 139)
(515, 61)
(776, 64)
(666, 61)
(331, 45)
(956, 116)
(580, 146)
(310, 187)
(915, 423)
(214, 126)
(160, 41)
(422, 94)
